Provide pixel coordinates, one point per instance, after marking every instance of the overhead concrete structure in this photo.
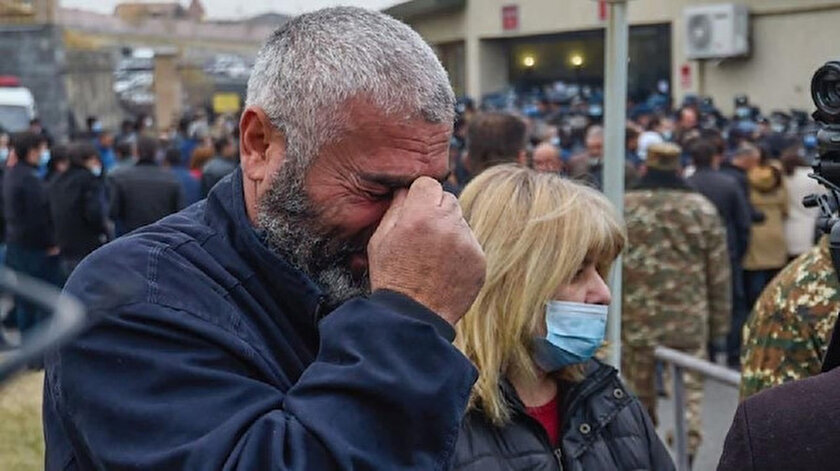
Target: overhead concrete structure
(186, 35)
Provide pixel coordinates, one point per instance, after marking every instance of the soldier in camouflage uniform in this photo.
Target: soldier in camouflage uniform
(676, 279)
(787, 334)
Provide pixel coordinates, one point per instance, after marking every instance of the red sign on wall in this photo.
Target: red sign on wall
(510, 17)
(685, 76)
(602, 10)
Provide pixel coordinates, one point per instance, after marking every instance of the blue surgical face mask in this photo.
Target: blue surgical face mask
(4, 154)
(96, 170)
(44, 158)
(574, 331)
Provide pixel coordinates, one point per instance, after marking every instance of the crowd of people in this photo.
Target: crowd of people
(334, 305)
(713, 212)
(63, 200)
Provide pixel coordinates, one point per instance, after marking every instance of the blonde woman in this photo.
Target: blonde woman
(541, 402)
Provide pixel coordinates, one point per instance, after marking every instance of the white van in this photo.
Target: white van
(17, 105)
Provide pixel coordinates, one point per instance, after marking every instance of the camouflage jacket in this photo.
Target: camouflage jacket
(677, 289)
(787, 334)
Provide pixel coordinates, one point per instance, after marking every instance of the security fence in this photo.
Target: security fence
(679, 362)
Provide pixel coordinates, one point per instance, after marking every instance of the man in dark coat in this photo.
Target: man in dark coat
(301, 317)
(79, 206)
(146, 192)
(30, 234)
(792, 426)
(724, 191)
(190, 184)
(746, 157)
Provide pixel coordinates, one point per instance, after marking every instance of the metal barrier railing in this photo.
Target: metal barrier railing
(67, 320)
(680, 362)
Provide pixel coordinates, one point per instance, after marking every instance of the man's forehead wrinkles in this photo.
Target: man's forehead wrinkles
(427, 149)
(409, 143)
(410, 131)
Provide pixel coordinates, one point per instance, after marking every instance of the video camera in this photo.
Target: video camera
(825, 91)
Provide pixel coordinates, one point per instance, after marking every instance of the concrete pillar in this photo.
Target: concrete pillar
(167, 89)
(487, 67)
(473, 60)
(46, 11)
(495, 74)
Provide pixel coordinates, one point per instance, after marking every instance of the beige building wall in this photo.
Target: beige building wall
(556, 16)
(790, 39)
(787, 49)
(443, 28)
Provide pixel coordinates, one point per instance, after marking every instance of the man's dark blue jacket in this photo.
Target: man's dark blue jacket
(724, 191)
(210, 352)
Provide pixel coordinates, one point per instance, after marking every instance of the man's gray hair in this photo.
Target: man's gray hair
(594, 132)
(316, 63)
(746, 149)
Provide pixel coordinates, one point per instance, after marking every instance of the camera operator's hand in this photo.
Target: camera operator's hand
(423, 248)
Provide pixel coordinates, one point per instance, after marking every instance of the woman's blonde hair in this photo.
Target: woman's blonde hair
(537, 230)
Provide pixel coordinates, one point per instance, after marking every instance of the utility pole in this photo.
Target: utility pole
(615, 115)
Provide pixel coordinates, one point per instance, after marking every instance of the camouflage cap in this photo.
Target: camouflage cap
(664, 156)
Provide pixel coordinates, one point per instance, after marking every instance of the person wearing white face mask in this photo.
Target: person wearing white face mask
(79, 206)
(31, 248)
(541, 400)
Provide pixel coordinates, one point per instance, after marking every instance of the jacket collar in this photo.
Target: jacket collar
(732, 167)
(704, 170)
(226, 214)
(662, 180)
(572, 393)
(575, 397)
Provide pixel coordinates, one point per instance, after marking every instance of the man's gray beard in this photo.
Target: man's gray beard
(291, 223)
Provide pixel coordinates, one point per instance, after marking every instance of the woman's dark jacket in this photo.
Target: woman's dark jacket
(604, 428)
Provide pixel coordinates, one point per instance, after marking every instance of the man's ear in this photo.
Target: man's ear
(259, 143)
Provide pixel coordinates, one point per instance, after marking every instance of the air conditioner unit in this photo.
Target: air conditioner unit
(717, 31)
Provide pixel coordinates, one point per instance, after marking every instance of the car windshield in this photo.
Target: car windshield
(13, 118)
